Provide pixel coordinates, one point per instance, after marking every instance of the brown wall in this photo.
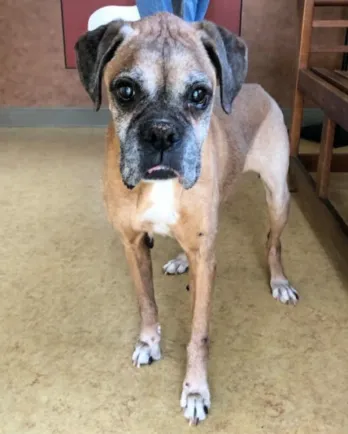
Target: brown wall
(269, 28)
(32, 58)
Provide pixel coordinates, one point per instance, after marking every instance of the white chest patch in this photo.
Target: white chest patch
(162, 212)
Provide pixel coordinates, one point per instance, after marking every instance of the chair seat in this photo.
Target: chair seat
(337, 78)
(333, 100)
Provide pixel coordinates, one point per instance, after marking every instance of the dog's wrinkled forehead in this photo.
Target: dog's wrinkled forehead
(162, 54)
(166, 50)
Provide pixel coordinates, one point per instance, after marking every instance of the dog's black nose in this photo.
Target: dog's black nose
(161, 135)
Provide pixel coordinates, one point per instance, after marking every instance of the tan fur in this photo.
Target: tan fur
(253, 137)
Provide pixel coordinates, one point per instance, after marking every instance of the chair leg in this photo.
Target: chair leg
(303, 58)
(296, 123)
(325, 157)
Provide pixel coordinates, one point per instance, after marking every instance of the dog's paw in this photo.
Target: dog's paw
(145, 354)
(179, 265)
(284, 292)
(195, 402)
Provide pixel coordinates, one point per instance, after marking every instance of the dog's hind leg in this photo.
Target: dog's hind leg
(277, 196)
(269, 157)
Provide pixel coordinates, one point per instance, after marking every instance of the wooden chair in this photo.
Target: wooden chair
(327, 88)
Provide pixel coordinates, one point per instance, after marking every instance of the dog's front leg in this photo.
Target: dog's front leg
(195, 398)
(139, 259)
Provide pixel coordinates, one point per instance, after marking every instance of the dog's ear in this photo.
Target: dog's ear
(93, 51)
(229, 55)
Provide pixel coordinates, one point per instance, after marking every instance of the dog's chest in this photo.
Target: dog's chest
(161, 212)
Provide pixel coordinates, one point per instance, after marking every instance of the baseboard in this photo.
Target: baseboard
(58, 117)
(61, 117)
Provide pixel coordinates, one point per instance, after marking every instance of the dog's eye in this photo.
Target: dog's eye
(125, 92)
(199, 97)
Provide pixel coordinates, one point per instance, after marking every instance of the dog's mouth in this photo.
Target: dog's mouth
(161, 172)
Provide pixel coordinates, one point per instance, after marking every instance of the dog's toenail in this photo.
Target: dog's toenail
(200, 234)
(150, 360)
(206, 409)
(187, 287)
(205, 340)
(187, 384)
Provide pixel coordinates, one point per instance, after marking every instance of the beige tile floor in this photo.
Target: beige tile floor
(69, 319)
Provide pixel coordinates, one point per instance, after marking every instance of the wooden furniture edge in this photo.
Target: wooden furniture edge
(339, 162)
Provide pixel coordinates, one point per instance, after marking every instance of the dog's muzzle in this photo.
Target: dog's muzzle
(161, 140)
(159, 148)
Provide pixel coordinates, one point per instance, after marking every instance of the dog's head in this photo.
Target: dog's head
(161, 75)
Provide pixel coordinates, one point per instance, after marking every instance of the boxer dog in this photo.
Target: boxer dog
(183, 128)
